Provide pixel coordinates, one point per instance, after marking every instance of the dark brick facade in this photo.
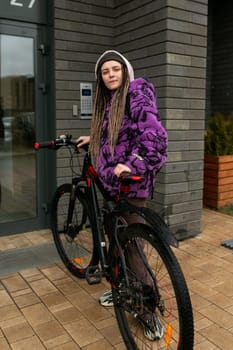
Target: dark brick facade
(166, 41)
(220, 88)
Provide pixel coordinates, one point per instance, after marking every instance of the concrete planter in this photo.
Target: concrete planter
(218, 181)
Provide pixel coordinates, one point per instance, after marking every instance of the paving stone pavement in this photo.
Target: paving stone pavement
(43, 307)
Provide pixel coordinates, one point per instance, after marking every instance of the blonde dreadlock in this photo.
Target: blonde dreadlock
(116, 114)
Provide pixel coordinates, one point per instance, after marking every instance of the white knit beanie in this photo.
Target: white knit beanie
(112, 55)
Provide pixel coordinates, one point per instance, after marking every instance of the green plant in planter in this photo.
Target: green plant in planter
(219, 135)
(230, 131)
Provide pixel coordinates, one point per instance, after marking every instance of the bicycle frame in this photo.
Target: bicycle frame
(90, 177)
(84, 226)
(114, 205)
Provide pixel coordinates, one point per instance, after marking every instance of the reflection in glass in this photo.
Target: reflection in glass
(17, 129)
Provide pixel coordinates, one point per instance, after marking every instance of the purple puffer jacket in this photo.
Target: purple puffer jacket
(141, 145)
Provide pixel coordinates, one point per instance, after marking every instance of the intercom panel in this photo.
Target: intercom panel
(86, 100)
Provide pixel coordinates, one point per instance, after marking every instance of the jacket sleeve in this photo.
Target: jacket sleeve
(149, 151)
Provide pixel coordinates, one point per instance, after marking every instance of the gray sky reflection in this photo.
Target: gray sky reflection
(16, 55)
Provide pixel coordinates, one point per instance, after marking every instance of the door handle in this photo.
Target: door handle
(43, 88)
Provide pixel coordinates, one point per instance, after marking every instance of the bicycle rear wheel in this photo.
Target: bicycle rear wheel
(160, 291)
(74, 240)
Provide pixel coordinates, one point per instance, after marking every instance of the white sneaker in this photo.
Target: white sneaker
(155, 329)
(106, 299)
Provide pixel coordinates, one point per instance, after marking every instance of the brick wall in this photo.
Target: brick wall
(183, 106)
(166, 42)
(140, 32)
(83, 30)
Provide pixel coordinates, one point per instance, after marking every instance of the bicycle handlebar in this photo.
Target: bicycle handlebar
(45, 144)
(126, 178)
(63, 140)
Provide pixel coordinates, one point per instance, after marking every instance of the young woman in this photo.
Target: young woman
(126, 135)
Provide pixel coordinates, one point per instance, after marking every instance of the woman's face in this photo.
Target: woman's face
(111, 72)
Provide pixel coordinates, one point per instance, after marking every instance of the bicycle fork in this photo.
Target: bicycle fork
(69, 229)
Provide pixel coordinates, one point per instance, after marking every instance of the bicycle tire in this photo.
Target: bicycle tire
(75, 243)
(171, 302)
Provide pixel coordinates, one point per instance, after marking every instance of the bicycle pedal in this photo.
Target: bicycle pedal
(93, 274)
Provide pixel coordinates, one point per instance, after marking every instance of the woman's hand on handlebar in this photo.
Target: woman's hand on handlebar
(83, 140)
(121, 168)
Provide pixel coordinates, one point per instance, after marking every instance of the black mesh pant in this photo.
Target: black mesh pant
(133, 258)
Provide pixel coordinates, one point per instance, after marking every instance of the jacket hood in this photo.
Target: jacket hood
(128, 65)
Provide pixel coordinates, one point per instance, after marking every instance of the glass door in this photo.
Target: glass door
(17, 129)
(23, 119)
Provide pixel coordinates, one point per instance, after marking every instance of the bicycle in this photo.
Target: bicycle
(79, 222)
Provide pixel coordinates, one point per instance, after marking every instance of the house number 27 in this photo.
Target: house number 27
(31, 3)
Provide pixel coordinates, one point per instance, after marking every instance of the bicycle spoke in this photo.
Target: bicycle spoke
(74, 240)
(154, 283)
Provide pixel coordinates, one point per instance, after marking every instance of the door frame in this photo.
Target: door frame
(44, 119)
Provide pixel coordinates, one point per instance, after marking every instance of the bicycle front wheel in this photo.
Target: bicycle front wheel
(151, 298)
(72, 235)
